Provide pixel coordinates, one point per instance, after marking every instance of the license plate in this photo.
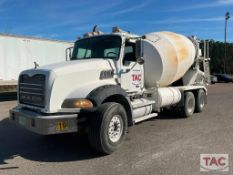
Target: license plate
(61, 126)
(22, 121)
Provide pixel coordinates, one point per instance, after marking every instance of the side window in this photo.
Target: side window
(129, 53)
(128, 49)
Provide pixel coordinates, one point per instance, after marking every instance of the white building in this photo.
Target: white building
(18, 53)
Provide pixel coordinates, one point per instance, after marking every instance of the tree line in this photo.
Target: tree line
(217, 54)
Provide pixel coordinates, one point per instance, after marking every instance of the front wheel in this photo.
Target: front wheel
(108, 126)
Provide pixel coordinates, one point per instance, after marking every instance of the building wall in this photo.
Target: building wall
(19, 53)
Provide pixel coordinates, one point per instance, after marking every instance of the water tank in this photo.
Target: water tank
(168, 96)
(168, 56)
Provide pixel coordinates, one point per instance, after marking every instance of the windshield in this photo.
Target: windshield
(97, 47)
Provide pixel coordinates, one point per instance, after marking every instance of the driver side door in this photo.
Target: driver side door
(132, 77)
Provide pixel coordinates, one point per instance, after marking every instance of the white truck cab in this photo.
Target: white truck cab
(112, 81)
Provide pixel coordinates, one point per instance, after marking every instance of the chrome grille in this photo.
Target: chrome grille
(32, 90)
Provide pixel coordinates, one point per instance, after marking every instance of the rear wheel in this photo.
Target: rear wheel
(108, 127)
(200, 101)
(189, 104)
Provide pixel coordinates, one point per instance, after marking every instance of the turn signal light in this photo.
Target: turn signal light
(77, 103)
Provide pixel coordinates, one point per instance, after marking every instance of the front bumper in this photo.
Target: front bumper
(44, 124)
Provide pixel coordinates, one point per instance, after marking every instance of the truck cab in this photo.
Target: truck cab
(120, 53)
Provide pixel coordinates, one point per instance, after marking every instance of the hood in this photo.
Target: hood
(73, 79)
(77, 66)
(76, 79)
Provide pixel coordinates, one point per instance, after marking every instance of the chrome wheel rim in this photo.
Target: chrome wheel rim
(190, 106)
(201, 100)
(115, 128)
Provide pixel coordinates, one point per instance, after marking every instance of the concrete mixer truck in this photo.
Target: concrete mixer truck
(111, 82)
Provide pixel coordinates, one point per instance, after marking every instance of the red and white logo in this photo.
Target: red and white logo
(214, 162)
(136, 79)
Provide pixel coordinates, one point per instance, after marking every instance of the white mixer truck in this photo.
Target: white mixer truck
(111, 82)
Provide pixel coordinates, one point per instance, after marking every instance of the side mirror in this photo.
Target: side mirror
(140, 61)
(69, 51)
(139, 51)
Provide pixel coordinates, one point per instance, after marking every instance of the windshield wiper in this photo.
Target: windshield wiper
(112, 58)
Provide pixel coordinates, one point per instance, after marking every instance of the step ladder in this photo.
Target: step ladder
(146, 117)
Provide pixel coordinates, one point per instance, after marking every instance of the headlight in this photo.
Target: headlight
(77, 103)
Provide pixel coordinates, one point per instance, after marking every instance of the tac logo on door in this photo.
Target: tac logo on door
(214, 162)
(136, 77)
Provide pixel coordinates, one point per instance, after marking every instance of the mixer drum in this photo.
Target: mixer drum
(168, 56)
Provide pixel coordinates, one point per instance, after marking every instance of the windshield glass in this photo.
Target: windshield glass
(97, 47)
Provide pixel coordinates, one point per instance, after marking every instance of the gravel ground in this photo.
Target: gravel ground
(161, 146)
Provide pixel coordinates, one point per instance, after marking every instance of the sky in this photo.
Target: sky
(69, 19)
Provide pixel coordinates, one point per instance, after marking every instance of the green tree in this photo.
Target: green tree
(217, 54)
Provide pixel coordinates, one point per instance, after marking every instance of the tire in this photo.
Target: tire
(200, 101)
(108, 127)
(189, 105)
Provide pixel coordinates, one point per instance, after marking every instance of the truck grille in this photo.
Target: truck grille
(32, 90)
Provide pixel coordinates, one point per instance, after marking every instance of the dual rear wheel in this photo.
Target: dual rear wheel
(193, 103)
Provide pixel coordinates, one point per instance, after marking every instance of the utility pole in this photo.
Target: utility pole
(227, 16)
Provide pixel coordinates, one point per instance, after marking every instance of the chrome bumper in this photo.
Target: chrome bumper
(44, 124)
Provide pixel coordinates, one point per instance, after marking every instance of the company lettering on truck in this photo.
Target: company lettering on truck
(136, 77)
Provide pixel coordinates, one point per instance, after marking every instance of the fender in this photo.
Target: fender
(111, 93)
(98, 95)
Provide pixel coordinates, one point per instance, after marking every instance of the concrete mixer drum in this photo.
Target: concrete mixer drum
(168, 56)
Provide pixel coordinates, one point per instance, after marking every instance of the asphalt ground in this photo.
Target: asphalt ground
(164, 145)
